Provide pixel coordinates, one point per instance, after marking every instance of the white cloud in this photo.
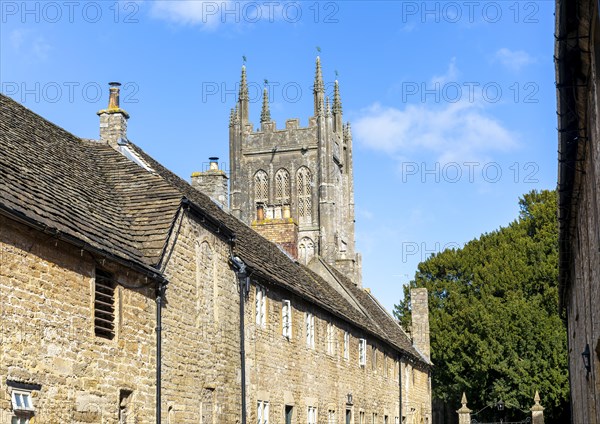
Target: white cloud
(29, 44)
(211, 14)
(17, 38)
(450, 75)
(513, 60)
(186, 12)
(41, 48)
(458, 132)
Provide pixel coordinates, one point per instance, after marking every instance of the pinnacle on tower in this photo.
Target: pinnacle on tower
(265, 114)
(337, 101)
(327, 107)
(231, 117)
(318, 89)
(243, 98)
(319, 86)
(348, 130)
(243, 95)
(236, 115)
(338, 124)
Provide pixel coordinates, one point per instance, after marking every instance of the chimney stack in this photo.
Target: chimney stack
(212, 182)
(113, 119)
(420, 320)
(276, 224)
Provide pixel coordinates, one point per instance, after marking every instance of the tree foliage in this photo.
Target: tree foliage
(495, 327)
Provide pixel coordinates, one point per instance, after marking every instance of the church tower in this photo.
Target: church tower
(295, 185)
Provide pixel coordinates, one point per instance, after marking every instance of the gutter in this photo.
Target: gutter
(241, 271)
(208, 221)
(400, 389)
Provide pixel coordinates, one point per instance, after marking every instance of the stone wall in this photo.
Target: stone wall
(48, 339)
(47, 332)
(201, 360)
(288, 372)
(283, 232)
(583, 297)
(202, 350)
(416, 394)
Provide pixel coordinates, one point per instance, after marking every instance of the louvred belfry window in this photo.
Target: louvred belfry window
(261, 187)
(104, 305)
(304, 181)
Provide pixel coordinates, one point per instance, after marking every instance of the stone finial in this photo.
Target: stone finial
(319, 86)
(265, 114)
(537, 410)
(337, 102)
(464, 413)
(243, 95)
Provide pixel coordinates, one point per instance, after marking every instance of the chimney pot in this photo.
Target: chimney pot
(214, 163)
(113, 99)
(260, 212)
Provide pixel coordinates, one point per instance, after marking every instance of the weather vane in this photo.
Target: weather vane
(244, 59)
(266, 82)
(336, 74)
(318, 49)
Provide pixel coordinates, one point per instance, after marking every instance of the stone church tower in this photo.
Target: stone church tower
(295, 185)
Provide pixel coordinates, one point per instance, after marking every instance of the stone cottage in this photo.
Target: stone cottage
(128, 295)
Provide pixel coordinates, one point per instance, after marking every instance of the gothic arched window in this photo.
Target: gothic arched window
(306, 250)
(304, 187)
(261, 187)
(282, 187)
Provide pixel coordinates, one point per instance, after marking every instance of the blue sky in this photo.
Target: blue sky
(452, 104)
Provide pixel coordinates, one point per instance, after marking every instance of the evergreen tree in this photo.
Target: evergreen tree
(496, 332)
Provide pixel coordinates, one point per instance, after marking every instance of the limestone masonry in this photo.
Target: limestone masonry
(131, 296)
(577, 57)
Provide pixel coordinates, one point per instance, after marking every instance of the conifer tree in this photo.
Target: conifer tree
(496, 331)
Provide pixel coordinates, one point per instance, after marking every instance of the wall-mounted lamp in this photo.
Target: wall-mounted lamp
(500, 405)
(349, 398)
(586, 358)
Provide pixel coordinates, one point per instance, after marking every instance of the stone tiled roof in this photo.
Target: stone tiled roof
(81, 187)
(90, 191)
